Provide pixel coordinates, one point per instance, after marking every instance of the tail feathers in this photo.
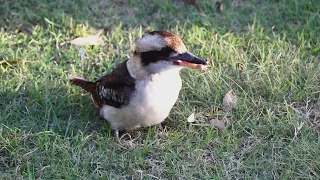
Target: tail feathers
(86, 85)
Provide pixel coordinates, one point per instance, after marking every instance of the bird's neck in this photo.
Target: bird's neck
(140, 72)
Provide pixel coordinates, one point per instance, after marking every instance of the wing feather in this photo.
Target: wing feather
(115, 89)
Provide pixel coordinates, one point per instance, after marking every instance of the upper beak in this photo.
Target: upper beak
(189, 60)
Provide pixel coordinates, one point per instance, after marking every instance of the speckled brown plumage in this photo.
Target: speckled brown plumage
(113, 89)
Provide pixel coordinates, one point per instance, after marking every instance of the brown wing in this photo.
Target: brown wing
(116, 88)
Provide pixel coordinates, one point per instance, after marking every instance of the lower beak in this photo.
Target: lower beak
(188, 60)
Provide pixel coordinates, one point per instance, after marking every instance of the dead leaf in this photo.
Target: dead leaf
(229, 100)
(13, 62)
(191, 118)
(219, 124)
(88, 40)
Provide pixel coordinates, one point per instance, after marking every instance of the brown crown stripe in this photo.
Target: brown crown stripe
(174, 42)
(163, 34)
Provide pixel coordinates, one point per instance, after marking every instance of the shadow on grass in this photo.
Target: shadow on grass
(44, 106)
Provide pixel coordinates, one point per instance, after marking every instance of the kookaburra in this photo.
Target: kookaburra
(142, 90)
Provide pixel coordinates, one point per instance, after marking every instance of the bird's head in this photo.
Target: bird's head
(159, 51)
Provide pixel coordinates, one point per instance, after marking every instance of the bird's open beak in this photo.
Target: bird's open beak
(188, 60)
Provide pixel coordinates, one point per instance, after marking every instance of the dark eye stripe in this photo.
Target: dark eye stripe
(154, 56)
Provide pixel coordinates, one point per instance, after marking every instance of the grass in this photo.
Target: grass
(267, 52)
